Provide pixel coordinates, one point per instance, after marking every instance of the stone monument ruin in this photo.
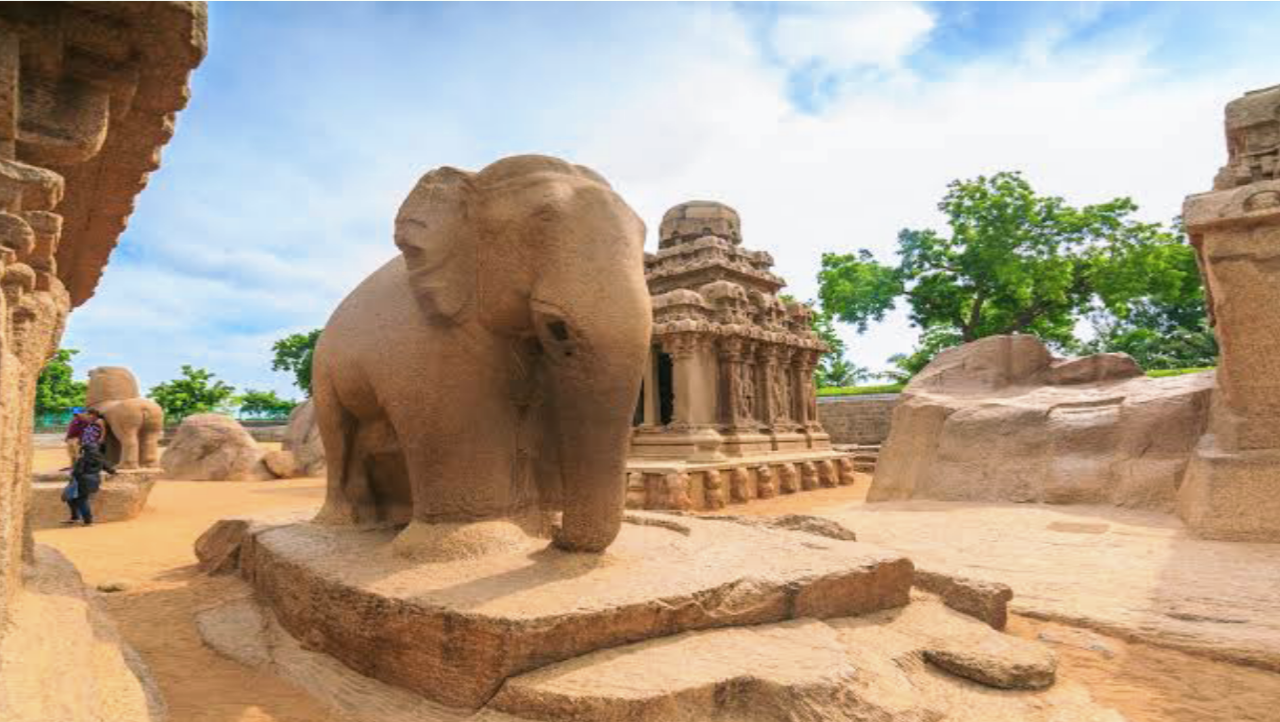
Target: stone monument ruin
(519, 313)
(134, 424)
(1232, 488)
(88, 94)
(728, 411)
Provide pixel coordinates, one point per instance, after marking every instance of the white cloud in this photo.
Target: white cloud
(849, 35)
(249, 243)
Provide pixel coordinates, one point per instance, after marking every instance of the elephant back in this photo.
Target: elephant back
(111, 383)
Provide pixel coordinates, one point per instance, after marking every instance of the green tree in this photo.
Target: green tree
(1013, 262)
(293, 354)
(1161, 319)
(833, 368)
(264, 404)
(56, 390)
(196, 392)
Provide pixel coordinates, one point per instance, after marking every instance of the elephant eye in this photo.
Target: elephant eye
(558, 330)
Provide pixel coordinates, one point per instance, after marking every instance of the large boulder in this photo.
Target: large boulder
(1002, 419)
(302, 439)
(213, 447)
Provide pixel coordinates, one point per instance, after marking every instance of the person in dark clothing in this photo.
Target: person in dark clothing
(87, 475)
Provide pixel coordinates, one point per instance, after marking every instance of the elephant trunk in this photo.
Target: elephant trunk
(595, 366)
(593, 458)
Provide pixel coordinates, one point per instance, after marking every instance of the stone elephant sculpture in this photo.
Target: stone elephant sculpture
(485, 378)
(134, 424)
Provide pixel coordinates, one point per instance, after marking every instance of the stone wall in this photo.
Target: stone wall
(861, 420)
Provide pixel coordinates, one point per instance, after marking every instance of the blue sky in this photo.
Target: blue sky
(829, 127)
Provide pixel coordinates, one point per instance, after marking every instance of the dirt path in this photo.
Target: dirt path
(152, 555)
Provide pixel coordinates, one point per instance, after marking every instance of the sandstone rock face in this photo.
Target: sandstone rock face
(988, 601)
(213, 447)
(1001, 419)
(475, 622)
(1000, 662)
(87, 98)
(122, 497)
(302, 440)
(1231, 489)
(281, 464)
(58, 630)
(843, 670)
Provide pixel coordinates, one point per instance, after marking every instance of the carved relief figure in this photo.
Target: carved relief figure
(845, 465)
(675, 487)
(713, 488)
(827, 473)
(766, 483)
(808, 475)
(789, 478)
(637, 492)
(739, 485)
(745, 388)
(527, 273)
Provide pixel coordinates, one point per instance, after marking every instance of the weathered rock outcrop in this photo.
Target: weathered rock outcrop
(213, 447)
(88, 94)
(302, 441)
(1001, 419)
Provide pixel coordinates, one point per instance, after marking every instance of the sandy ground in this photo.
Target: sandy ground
(152, 555)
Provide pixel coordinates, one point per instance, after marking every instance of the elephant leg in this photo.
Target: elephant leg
(128, 449)
(149, 447)
(348, 499)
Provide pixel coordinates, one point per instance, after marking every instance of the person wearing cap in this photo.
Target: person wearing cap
(79, 420)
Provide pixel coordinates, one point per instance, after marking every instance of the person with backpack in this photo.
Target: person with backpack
(86, 480)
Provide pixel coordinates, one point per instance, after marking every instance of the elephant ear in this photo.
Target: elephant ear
(437, 239)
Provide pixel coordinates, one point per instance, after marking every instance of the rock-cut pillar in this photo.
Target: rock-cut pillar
(1231, 489)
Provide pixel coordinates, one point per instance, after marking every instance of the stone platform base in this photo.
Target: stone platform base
(915, 663)
(121, 497)
(455, 631)
(62, 659)
(1231, 496)
(688, 485)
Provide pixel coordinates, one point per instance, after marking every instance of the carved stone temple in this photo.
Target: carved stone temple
(728, 409)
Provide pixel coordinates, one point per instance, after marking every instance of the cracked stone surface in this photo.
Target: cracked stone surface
(453, 631)
(840, 670)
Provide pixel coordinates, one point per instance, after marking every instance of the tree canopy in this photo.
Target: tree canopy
(293, 354)
(1015, 261)
(56, 390)
(196, 392)
(264, 404)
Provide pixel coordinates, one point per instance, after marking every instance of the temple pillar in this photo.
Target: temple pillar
(1231, 489)
(650, 395)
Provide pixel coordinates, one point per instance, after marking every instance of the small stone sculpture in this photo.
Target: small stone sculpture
(739, 485)
(675, 485)
(134, 424)
(790, 478)
(845, 464)
(808, 476)
(766, 483)
(713, 487)
(827, 473)
(637, 492)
